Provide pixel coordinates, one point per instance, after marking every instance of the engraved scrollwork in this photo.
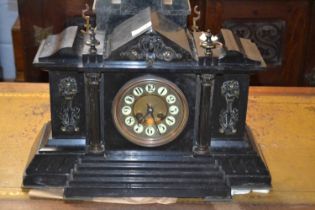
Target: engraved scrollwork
(69, 115)
(228, 118)
(267, 35)
(150, 48)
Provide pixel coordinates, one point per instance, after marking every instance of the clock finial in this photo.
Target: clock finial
(89, 29)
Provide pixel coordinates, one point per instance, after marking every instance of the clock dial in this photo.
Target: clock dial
(150, 111)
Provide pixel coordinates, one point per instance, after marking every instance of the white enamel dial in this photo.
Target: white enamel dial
(170, 120)
(162, 91)
(162, 128)
(138, 128)
(171, 99)
(173, 110)
(150, 131)
(138, 91)
(126, 110)
(130, 121)
(150, 88)
(130, 99)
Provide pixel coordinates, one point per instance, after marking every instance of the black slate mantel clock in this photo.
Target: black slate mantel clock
(141, 106)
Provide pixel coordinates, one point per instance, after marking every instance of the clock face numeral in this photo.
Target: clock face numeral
(138, 91)
(138, 128)
(174, 110)
(150, 131)
(130, 121)
(150, 88)
(129, 100)
(170, 99)
(126, 110)
(162, 91)
(170, 120)
(162, 128)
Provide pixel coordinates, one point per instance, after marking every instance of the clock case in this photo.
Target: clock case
(82, 152)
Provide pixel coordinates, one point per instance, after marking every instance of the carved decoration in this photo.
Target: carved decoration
(196, 18)
(93, 78)
(228, 118)
(267, 35)
(69, 115)
(41, 33)
(151, 48)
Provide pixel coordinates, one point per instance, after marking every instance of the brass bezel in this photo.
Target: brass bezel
(149, 142)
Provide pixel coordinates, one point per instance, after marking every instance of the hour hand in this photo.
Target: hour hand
(140, 118)
(150, 110)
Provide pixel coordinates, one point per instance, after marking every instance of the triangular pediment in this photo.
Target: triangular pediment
(149, 33)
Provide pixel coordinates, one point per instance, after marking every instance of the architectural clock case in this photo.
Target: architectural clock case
(144, 107)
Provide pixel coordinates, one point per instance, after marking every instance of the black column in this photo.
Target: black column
(204, 134)
(93, 113)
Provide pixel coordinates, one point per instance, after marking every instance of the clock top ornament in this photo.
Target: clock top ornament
(142, 106)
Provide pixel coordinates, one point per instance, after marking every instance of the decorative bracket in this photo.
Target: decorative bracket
(195, 27)
(228, 118)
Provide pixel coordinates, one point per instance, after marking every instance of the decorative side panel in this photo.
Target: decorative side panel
(229, 116)
(229, 106)
(67, 105)
(267, 35)
(69, 114)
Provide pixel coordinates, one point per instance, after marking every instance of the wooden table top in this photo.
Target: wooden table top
(282, 121)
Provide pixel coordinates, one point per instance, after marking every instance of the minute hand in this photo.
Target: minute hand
(151, 110)
(155, 123)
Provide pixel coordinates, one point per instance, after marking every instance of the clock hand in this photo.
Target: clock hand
(161, 116)
(140, 117)
(155, 123)
(151, 110)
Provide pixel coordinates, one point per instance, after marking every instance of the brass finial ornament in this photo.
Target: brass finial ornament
(206, 42)
(209, 42)
(87, 18)
(89, 29)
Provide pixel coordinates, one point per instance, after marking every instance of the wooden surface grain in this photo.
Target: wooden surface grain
(282, 121)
